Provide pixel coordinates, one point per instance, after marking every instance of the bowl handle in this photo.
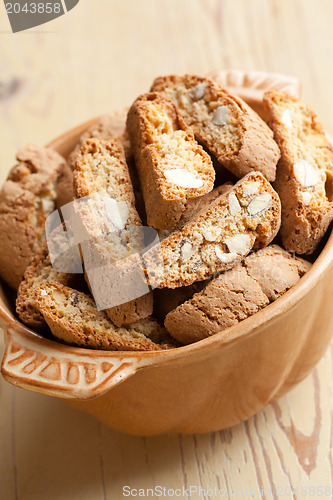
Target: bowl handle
(41, 365)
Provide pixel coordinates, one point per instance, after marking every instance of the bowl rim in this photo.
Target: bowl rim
(244, 329)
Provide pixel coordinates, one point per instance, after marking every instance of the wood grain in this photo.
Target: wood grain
(99, 57)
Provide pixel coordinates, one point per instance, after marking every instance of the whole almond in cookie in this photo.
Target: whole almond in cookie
(173, 168)
(237, 137)
(305, 172)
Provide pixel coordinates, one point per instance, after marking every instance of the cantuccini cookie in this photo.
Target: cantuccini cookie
(26, 199)
(172, 166)
(305, 172)
(110, 219)
(245, 218)
(106, 127)
(238, 138)
(73, 318)
(236, 294)
(39, 271)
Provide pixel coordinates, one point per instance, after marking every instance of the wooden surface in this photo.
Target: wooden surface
(99, 57)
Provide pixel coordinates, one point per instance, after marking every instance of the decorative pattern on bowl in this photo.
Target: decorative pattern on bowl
(31, 363)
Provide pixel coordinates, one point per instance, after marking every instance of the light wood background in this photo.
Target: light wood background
(97, 58)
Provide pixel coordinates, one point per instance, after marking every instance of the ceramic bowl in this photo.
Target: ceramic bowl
(206, 386)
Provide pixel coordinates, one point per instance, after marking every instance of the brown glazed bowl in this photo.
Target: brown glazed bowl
(206, 386)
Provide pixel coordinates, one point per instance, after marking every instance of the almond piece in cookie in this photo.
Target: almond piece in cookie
(219, 236)
(305, 172)
(238, 138)
(73, 318)
(172, 166)
(109, 218)
(236, 294)
(26, 199)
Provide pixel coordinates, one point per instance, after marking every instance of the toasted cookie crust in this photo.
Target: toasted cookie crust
(238, 138)
(305, 172)
(236, 294)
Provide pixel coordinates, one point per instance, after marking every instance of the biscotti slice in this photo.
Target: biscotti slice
(245, 218)
(109, 219)
(26, 199)
(236, 294)
(40, 270)
(238, 138)
(305, 172)
(172, 166)
(73, 318)
(106, 127)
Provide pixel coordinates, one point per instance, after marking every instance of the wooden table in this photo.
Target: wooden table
(97, 58)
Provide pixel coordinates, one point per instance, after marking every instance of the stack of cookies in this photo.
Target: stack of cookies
(226, 199)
